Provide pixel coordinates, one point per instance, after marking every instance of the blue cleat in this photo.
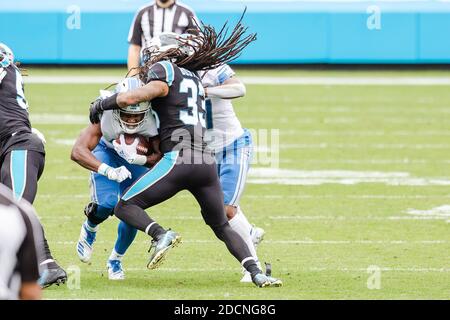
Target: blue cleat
(115, 270)
(159, 248)
(85, 243)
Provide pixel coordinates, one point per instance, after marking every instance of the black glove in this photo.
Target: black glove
(95, 111)
(100, 105)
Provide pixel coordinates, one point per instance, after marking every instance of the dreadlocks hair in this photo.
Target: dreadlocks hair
(204, 49)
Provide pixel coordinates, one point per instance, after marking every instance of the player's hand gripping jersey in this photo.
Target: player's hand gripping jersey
(181, 125)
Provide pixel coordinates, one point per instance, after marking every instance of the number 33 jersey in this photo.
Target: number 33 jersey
(181, 115)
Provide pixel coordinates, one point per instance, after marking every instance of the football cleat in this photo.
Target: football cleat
(160, 248)
(85, 243)
(55, 275)
(115, 270)
(261, 280)
(257, 235)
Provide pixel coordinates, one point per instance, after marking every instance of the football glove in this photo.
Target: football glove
(129, 152)
(102, 104)
(95, 111)
(115, 174)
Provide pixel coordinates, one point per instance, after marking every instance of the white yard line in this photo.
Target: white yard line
(270, 176)
(294, 242)
(305, 81)
(284, 269)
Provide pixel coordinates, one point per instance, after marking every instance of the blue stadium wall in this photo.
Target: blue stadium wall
(289, 32)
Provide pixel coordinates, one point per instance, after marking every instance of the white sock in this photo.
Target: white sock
(115, 256)
(244, 220)
(240, 224)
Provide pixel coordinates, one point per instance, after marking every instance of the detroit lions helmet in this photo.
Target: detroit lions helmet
(138, 113)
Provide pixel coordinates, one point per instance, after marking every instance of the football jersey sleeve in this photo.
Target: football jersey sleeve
(224, 73)
(162, 71)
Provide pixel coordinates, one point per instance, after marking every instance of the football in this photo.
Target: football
(143, 147)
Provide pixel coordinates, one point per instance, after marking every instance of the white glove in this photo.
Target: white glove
(39, 134)
(115, 174)
(129, 152)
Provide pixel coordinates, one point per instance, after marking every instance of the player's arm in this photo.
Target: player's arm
(157, 154)
(82, 154)
(134, 57)
(232, 88)
(152, 90)
(86, 142)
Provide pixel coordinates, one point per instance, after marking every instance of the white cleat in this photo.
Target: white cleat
(247, 277)
(85, 244)
(257, 235)
(115, 270)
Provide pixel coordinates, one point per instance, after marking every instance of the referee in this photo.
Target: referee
(20, 237)
(154, 19)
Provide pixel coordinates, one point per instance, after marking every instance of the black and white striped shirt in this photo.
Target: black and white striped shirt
(150, 21)
(20, 239)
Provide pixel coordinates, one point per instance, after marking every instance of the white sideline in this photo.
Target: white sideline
(305, 81)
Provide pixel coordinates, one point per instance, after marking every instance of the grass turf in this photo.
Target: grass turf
(320, 238)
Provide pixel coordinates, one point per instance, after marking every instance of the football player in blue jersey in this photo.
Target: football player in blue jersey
(96, 149)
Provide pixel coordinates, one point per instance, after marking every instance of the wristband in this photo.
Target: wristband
(103, 169)
(110, 103)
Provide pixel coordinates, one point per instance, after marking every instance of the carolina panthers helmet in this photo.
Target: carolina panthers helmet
(160, 44)
(5, 51)
(142, 108)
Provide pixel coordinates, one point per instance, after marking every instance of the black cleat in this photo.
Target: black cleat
(52, 276)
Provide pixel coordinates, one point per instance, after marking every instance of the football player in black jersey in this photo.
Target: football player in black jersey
(178, 99)
(22, 155)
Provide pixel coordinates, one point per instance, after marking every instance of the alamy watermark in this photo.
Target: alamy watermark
(374, 19)
(73, 21)
(374, 279)
(256, 146)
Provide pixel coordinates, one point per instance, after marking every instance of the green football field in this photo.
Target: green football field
(356, 210)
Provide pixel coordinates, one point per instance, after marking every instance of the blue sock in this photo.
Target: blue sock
(126, 235)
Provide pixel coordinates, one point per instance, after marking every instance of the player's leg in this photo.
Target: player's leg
(20, 171)
(125, 233)
(234, 166)
(104, 196)
(162, 182)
